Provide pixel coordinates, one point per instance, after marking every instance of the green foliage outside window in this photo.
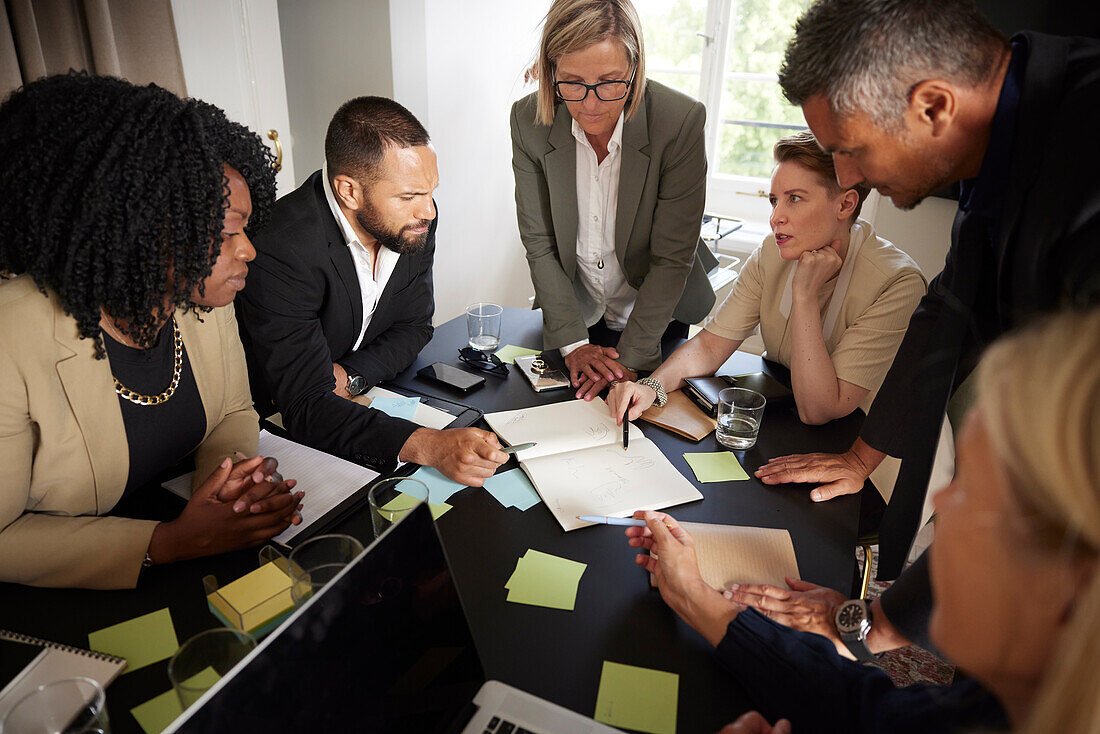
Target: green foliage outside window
(758, 34)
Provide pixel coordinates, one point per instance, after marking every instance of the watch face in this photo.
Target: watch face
(849, 617)
(356, 384)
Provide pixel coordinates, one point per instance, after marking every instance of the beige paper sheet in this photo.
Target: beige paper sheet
(735, 554)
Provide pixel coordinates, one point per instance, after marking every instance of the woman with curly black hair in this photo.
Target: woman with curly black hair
(123, 217)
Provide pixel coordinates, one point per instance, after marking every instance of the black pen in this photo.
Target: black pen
(626, 433)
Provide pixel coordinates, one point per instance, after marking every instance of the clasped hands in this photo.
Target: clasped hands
(239, 505)
(592, 368)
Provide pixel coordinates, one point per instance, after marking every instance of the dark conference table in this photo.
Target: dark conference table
(552, 653)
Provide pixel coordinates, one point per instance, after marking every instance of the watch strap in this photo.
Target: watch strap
(655, 385)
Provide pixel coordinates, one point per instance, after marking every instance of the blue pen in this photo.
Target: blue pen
(628, 521)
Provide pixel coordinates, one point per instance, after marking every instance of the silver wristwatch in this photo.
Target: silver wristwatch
(853, 623)
(654, 384)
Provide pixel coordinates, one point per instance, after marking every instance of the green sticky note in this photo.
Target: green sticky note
(718, 466)
(402, 503)
(637, 698)
(543, 580)
(157, 713)
(142, 640)
(508, 353)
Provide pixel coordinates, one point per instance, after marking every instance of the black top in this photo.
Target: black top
(1042, 257)
(158, 435)
(302, 310)
(799, 676)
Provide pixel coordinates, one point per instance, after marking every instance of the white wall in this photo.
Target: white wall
(459, 67)
(924, 232)
(332, 51)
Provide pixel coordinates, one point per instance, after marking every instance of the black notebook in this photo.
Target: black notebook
(703, 391)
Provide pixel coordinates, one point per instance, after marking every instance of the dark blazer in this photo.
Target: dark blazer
(662, 189)
(301, 310)
(1046, 256)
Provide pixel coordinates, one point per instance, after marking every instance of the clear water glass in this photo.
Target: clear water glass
(739, 414)
(483, 325)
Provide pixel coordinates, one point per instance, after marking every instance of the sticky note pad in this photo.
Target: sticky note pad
(717, 466)
(142, 640)
(404, 408)
(513, 489)
(255, 599)
(156, 714)
(508, 353)
(440, 488)
(543, 580)
(637, 698)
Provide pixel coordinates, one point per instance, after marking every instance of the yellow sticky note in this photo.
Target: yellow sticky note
(637, 698)
(142, 640)
(254, 599)
(156, 714)
(543, 580)
(718, 466)
(508, 353)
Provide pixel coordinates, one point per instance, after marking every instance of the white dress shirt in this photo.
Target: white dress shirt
(601, 288)
(372, 276)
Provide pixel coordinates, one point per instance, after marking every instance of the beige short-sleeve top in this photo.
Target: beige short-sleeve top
(885, 287)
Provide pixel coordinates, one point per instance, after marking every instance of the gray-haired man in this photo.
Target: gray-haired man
(909, 96)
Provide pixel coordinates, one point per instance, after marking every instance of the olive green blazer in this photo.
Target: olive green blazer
(63, 448)
(662, 192)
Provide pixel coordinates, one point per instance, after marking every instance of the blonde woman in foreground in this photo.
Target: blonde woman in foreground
(1013, 571)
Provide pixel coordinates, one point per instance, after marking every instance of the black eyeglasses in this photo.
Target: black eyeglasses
(484, 361)
(611, 91)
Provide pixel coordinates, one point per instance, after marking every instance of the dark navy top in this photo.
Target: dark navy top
(799, 676)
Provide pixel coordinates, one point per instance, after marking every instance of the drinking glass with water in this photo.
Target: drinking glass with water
(739, 414)
(483, 325)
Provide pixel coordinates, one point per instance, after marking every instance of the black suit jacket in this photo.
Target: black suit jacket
(1046, 257)
(302, 309)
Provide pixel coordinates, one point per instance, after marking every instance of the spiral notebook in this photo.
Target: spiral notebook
(46, 662)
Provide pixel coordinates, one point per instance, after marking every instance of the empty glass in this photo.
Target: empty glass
(69, 706)
(204, 659)
(317, 561)
(483, 325)
(739, 415)
(391, 499)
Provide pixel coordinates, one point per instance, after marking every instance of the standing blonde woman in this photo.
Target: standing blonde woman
(1013, 565)
(610, 186)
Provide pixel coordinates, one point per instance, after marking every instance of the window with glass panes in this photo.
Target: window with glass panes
(727, 53)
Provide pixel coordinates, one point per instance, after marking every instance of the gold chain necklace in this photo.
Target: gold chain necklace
(177, 368)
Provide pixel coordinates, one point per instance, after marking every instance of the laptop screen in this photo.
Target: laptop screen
(384, 648)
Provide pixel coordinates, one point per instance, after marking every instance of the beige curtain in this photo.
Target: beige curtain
(132, 39)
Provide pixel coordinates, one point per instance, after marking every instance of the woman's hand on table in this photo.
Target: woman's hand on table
(629, 399)
(753, 722)
(592, 368)
(208, 525)
(671, 560)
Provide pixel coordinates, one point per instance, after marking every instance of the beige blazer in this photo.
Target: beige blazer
(63, 448)
(662, 191)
